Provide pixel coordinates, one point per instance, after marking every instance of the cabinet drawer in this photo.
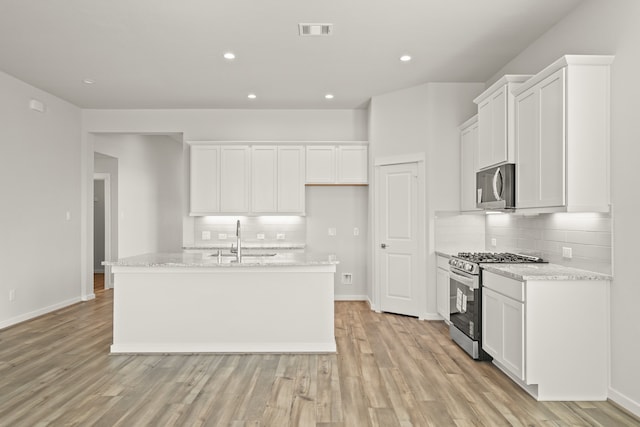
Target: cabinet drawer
(442, 262)
(503, 285)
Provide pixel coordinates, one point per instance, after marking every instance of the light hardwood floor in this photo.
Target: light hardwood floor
(389, 371)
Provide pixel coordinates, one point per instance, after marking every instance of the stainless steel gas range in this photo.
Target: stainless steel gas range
(466, 283)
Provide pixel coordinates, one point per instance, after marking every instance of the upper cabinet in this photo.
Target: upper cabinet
(337, 165)
(235, 164)
(562, 136)
(496, 122)
(468, 164)
(277, 182)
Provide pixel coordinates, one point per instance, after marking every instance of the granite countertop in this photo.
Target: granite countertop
(534, 272)
(248, 246)
(196, 260)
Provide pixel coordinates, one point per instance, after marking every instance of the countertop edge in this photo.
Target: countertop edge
(545, 272)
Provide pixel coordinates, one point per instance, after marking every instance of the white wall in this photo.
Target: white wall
(424, 119)
(342, 208)
(40, 176)
(610, 27)
(150, 195)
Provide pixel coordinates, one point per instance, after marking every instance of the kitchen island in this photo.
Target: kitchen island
(203, 303)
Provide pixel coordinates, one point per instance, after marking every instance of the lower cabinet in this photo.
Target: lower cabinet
(549, 336)
(503, 330)
(442, 287)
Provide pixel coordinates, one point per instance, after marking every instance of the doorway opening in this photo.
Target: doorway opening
(101, 230)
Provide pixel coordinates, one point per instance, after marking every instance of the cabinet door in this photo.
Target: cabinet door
(264, 179)
(234, 179)
(204, 183)
(468, 160)
(492, 320)
(291, 173)
(321, 165)
(484, 134)
(443, 292)
(352, 165)
(552, 140)
(527, 150)
(513, 336)
(499, 126)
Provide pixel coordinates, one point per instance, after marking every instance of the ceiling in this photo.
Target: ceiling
(169, 53)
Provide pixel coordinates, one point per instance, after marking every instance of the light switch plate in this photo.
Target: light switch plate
(567, 253)
(206, 235)
(280, 236)
(222, 236)
(356, 231)
(260, 236)
(494, 242)
(332, 231)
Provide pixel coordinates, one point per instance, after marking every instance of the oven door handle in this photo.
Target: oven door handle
(467, 281)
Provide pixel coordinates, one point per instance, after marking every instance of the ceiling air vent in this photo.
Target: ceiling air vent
(315, 29)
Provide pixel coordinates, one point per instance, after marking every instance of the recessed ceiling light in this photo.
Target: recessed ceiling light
(405, 58)
(252, 96)
(229, 55)
(88, 81)
(328, 96)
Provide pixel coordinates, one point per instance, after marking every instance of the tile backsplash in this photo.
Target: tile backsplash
(292, 227)
(459, 233)
(588, 235)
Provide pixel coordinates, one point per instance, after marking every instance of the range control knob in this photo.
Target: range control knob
(468, 267)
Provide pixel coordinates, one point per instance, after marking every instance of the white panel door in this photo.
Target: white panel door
(235, 163)
(291, 179)
(264, 179)
(398, 231)
(205, 179)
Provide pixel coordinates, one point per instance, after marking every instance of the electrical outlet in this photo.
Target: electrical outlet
(494, 242)
(347, 279)
(222, 236)
(260, 236)
(206, 235)
(356, 231)
(280, 236)
(332, 257)
(68, 216)
(12, 294)
(332, 231)
(567, 253)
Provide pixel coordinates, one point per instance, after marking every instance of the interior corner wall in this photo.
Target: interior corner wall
(40, 175)
(610, 27)
(424, 119)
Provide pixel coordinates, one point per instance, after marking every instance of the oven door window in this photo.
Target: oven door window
(465, 313)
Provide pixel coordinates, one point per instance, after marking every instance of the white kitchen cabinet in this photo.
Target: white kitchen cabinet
(443, 291)
(337, 165)
(562, 136)
(496, 122)
(277, 181)
(204, 179)
(352, 164)
(321, 164)
(468, 164)
(291, 176)
(235, 167)
(264, 179)
(549, 336)
(503, 330)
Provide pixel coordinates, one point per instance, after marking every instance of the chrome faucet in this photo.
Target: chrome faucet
(237, 250)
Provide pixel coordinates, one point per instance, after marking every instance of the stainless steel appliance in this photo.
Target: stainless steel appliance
(466, 284)
(496, 187)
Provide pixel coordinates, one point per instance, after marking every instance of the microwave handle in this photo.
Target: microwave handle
(497, 177)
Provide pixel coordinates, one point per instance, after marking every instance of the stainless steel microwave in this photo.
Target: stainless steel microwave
(496, 187)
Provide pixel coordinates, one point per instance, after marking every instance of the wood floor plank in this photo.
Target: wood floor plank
(389, 370)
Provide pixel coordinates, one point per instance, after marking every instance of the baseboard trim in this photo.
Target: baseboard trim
(624, 402)
(227, 348)
(36, 313)
(350, 298)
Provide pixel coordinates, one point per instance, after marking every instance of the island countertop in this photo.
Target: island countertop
(205, 260)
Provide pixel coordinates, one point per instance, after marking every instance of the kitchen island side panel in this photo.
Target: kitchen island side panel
(224, 310)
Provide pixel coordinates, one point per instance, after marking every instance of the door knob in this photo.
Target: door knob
(383, 245)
